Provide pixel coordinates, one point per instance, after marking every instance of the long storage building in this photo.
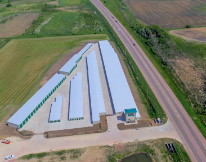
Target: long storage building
(120, 94)
(76, 111)
(69, 66)
(35, 102)
(97, 106)
(72, 63)
(56, 110)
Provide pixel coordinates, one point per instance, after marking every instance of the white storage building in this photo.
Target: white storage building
(72, 63)
(36, 101)
(83, 51)
(56, 110)
(76, 111)
(69, 66)
(97, 106)
(120, 93)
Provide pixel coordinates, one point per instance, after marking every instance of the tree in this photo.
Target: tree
(8, 4)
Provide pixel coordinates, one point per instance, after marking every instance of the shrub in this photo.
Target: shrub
(188, 26)
(8, 5)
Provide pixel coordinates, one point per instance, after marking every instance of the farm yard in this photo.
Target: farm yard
(168, 14)
(16, 24)
(26, 61)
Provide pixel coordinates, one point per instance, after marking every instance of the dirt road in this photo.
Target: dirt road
(193, 140)
(19, 147)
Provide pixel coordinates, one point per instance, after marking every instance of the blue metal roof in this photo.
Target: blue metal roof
(35, 100)
(70, 64)
(95, 88)
(76, 97)
(84, 50)
(119, 89)
(56, 109)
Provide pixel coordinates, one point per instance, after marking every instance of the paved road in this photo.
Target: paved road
(192, 139)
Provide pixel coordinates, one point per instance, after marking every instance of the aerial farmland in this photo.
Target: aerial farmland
(82, 80)
(168, 14)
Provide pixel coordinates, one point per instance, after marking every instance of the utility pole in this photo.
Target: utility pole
(147, 93)
(112, 31)
(130, 16)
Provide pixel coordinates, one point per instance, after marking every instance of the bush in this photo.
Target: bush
(188, 26)
(8, 5)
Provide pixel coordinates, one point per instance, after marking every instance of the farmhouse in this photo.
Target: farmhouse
(35, 102)
(119, 90)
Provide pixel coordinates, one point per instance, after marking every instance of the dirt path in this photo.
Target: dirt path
(20, 147)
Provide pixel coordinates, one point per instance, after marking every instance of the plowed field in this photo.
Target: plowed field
(15, 25)
(197, 34)
(167, 14)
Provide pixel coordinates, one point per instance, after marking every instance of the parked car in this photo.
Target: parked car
(160, 120)
(5, 141)
(155, 121)
(9, 157)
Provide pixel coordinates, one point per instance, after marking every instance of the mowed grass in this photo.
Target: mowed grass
(194, 50)
(25, 62)
(71, 3)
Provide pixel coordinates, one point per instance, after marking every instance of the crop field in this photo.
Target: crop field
(16, 24)
(197, 34)
(167, 14)
(27, 60)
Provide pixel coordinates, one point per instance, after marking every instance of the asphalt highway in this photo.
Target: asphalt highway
(192, 139)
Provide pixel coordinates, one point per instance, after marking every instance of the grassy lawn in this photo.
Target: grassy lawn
(155, 148)
(63, 23)
(73, 3)
(157, 63)
(25, 63)
(193, 50)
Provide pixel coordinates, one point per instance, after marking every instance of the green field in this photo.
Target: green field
(25, 63)
(68, 23)
(63, 23)
(72, 3)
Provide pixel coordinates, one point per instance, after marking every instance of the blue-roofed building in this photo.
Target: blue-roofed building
(56, 110)
(72, 63)
(76, 111)
(120, 94)
(97, 106)
(35, 102)
(69, 66)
